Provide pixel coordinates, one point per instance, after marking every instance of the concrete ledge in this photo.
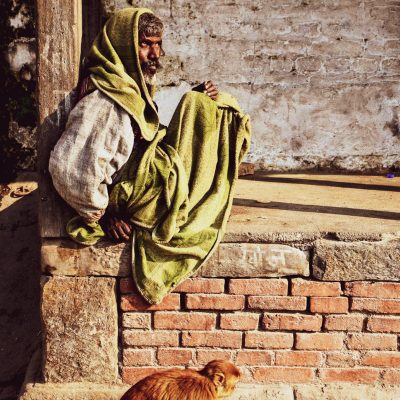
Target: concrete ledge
(345, 391)
(66, 258)
(74, 391)
(333, 260)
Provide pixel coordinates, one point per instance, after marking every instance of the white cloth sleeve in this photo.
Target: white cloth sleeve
(96, 143)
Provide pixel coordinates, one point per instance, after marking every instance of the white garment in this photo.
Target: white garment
(96, 143)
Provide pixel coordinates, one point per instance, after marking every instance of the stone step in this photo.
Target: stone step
(277, 221)
(332, 260)
(269, 207)
(90, 391)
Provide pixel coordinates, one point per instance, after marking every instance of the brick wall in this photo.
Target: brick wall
(276, 330)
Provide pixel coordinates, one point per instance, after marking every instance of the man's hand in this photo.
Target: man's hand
(118, 229)
(208, 88)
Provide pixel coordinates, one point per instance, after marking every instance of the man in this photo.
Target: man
(170, 189)
(150, 50)
(87, 192)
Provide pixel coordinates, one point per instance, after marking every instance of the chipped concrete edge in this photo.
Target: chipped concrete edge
(89, 391)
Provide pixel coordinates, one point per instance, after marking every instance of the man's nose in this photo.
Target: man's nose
(154, 53)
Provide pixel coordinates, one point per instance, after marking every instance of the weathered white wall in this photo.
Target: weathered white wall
(319, 78)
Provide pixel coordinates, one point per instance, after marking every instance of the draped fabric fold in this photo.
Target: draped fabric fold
(177, 186)
(178, 189)
(114, 66)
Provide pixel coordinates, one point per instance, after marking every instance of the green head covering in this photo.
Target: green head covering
(115, 70)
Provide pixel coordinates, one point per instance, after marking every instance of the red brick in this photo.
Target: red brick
(329, 305)
(342, 359)
(381, 306)
(355, 375)
(174, 356)
(292, 322)
(381, 359)
(239, 321)
(145, 338)
(204, 356)
(201, 285)
(136, 320)
(319, 341)
(254, 357)
(344, 322)
(214, 302)
(267, 287)
(135, 302)
(225, 339)
(371, 341)
(383, 324)
(283, 374)
(184, 321)
(391, 377)
(137, 357)
(301, 287)
(131, 375)
(386, 290)
(268, 340)
(298, 358)
(126, 285)
(285, 303)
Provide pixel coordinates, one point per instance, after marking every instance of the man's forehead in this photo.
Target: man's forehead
(152, 39)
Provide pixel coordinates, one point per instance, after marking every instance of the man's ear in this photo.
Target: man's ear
(218, 379)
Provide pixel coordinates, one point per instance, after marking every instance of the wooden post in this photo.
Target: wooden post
(59, 33)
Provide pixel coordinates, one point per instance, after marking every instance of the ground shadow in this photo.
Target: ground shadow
(355, 212)
(20, 328)
(317, 182)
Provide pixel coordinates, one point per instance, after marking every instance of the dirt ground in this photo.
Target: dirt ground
(320, 202)
(19, 283)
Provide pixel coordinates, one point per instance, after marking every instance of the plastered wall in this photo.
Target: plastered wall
(319, 78)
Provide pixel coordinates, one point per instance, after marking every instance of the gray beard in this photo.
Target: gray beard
(150, 80)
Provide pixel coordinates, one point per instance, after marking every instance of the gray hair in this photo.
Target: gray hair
(150, 25)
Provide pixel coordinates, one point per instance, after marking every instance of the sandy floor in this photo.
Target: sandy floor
(316, 203)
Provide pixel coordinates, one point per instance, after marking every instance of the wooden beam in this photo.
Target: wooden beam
(59, 33)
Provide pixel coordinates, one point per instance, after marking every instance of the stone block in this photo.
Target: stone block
(263, 392)
(347, 392)
(67, 258)
(73, 391)
(80, 330)
(339, 261)
(255, 260)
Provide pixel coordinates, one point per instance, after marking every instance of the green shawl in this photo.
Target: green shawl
(114, 67)
(177, 189)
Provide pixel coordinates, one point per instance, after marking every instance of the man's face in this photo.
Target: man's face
(149, 53)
